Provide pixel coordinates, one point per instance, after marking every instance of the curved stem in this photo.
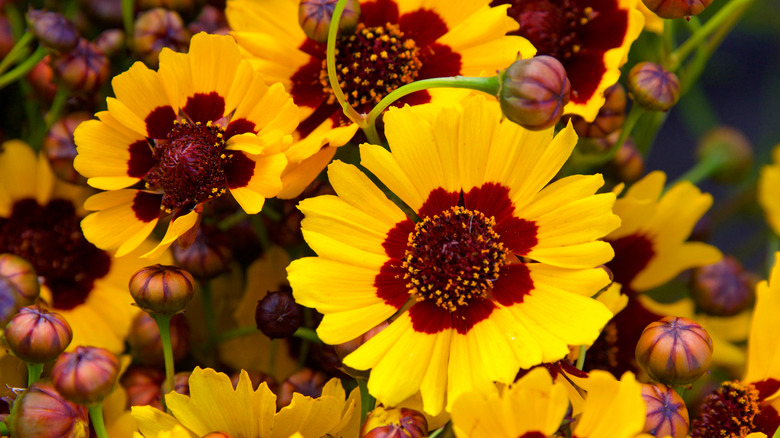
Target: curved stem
(96, 415)
(330, 61)
(23, 68)
(16, 51)
(706, 167)
(164, 325)
(34, 371)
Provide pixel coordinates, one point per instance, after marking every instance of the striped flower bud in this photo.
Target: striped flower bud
(162, 289)
(534, 91)
(85, 376)
(314, 16)
(36, 335)
(674, 350)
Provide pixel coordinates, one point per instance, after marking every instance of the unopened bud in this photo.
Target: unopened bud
(162, 289)
(158, 28)
(674, 350)
(181, 382)
(667, 415)
(41, 77)
(19, 286)
(53, 30)
(60, 149)
(36, 335)
(207, 256)
(111, 42)
(610, 117)
(42, 412)
(732, 148)
(394, 423)
(210, 20)
(142, 386)
(314, 17)
(145, 343)
(628, 164)
(534, 91)
(83, 69)
(723, 288)
(305, 382)
(677, 8)
(652, 87)
(85, 376)
(278, 315)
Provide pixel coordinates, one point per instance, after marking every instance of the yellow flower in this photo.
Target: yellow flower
(612, 408)
(489, 272)
(768, 182)
(39, 221)
(213, 405)
(396, 42)
(204, 125)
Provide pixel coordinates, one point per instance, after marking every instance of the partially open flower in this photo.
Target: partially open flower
(314, 16)
(85, 376)
(19, 285)
(42, 412)
(155, 29)
(83, 69)
(36, 335)
(394, 423)
(674, 350)
(677, 8)
(652, 87)
(162, 289)
(723, 288)
(53, 30)
(278, 315)
(60, 149)
(667, 415)
(144, 339)
(534, 91)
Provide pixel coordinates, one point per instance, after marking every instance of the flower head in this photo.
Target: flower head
(491, 273)
(395, 42)
(204, 125)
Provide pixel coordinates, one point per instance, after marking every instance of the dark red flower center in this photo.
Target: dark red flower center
(453, 258)
(50, 238)
(727, 412)
(371, 63)
(190, 167)
(552, 26)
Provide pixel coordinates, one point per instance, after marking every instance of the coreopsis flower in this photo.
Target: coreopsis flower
(214, 405)
(474, 272)
(768, 182)
(204, 125)
(39, 221)
(612, 408)
(590, 38)
(396, 42)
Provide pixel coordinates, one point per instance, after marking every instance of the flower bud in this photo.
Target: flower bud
(278, 315)
(142, 386)
(210, 20)
(42, 412)
(85, 376)
(36, 335)
(181, 383)
(652, 87)
(155, 29)
(207, 256)
(667, 415)
(534, 91)
(723, 288)
(674, 350)
(83, 69)
(145, 343)
(677, 8)
(53, 30)
(19, 286)
(394, 423)
(162, 289)
(111, 42)
(628, 164)
(60, 149)
(41, 77)
(734, 150)
(610, 117)
(314, 16)
(305, 382)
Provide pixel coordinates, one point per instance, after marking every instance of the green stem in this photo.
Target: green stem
(703, 169)
(57, 104)
(17, 51)
(581, 357)
(239, 332)
(209, 316)
(34, 371)
(307, 334)
(367, 401)
(330, 62)
(4, 430)
(164, 325)
(230, 221)
(713, 24)
(96, 415)
(23, 68)
(128, 15)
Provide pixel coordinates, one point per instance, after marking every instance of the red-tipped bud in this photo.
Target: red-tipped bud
(674, 350)
(60, 149)
(306, 382)
(19, 286)
(314, 16)
(142, 386)
(53, 30)
(677, 8)
(394, 423)
(36, 335)
(733, 150)
(83, 69)
(652, 87)
(278, 315)
(610, 117)
(42, 412)
(111, 42)
(85, 376)
(162, 289)
(207, 256)
(145, 343)
(158, 28)
(667, 415)
(723, 288)
(534, 91)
